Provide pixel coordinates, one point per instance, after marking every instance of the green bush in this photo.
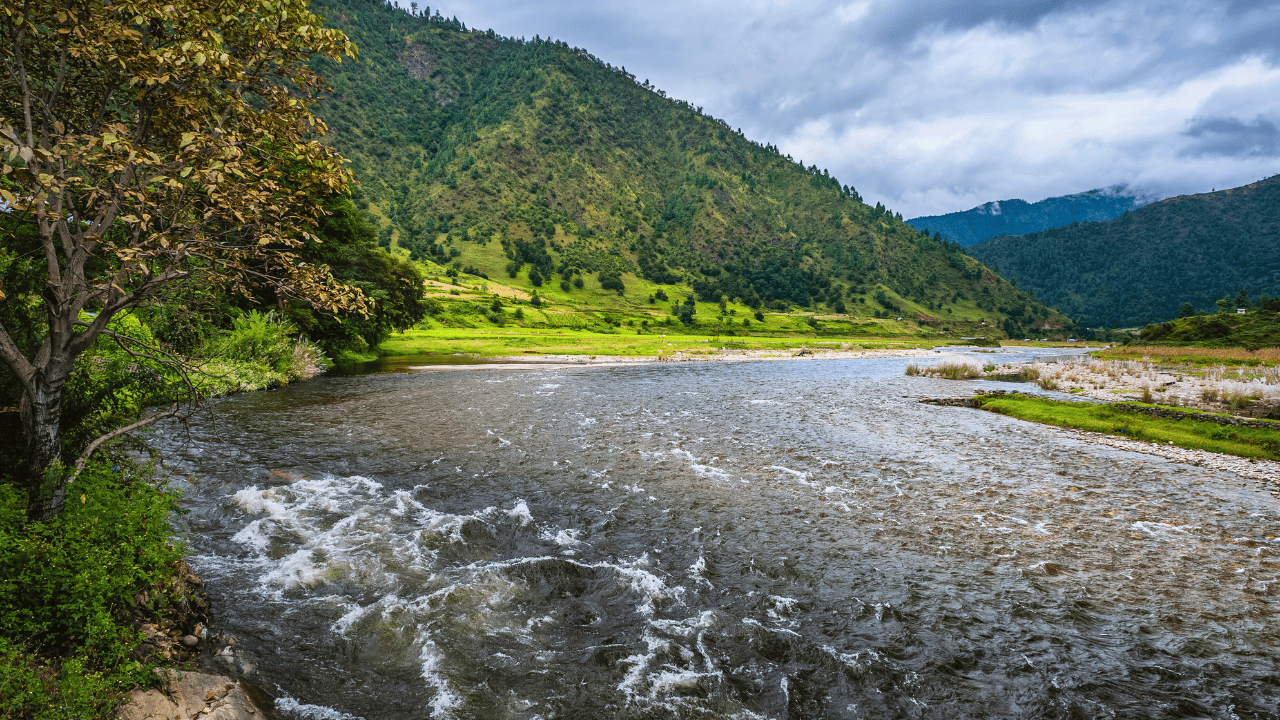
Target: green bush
(261, 338)
(66, 588)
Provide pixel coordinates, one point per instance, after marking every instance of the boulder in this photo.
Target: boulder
(191, 695)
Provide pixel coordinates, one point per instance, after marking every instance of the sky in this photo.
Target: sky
(937, 106)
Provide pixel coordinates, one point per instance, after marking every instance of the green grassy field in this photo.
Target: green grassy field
(1114, 420)
(491, 317)
(505, 341)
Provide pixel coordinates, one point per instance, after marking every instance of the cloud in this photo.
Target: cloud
(934, 106)
(1232, 137)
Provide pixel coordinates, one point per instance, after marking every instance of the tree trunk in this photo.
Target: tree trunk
(42, 421)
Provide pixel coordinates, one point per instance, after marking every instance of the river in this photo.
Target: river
(798, 539)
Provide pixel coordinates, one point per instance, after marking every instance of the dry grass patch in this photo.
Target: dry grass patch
(1268, 356)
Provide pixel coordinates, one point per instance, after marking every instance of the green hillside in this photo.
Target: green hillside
(536, 166)
(1257, 327)
(1142, 266)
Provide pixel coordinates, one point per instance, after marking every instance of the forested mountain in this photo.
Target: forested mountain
(1142, 266)
(1018, 217)
(536, 164)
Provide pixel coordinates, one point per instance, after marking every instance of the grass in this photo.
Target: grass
(948, 371)
(1114, 420)
(493, 341)
(1268, 357)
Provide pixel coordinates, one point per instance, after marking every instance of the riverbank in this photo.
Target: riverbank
(1178, 381)
(1191, 431)
(721, 354)
(1248, 449)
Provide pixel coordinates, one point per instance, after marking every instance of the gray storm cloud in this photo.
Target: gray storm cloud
(932, 107)
(1232, 137)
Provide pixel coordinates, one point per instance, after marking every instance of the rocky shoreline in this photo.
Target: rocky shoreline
(177, 634)
(1265, 474)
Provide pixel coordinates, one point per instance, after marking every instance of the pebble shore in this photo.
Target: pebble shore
(1265, 473)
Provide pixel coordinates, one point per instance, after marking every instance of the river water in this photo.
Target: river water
(718, 540)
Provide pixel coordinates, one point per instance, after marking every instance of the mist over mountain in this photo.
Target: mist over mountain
(1019, 217)
(1140, 267)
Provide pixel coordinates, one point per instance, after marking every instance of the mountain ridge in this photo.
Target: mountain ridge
(1140, 267)
(539, 165)
(1019, 217)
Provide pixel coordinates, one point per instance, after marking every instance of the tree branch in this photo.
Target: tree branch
(17, 362)
(93, 446)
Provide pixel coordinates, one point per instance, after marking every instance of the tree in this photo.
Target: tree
(154, 143)
(686, 310)
(1186, 310)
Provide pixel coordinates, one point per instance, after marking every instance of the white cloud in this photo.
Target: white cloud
(853, 12)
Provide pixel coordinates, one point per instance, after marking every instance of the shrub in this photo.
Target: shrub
(1047, 384)
(913, 370)
(67, 587)
(256, 337)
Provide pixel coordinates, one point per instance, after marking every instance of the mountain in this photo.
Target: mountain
(1019, 217)
(1142, 266)
(538, 166)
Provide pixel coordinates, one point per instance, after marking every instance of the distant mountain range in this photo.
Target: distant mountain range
(1018, 217)
(1140, 267)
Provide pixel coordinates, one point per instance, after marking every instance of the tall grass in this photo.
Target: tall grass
(1266, 356)
(950, 371)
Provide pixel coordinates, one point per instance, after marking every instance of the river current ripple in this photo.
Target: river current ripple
(722, 540)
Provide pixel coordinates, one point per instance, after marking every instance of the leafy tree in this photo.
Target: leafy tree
(150, 144)
(346, 246)
(686, 310)
(1186, 310)
(610, 280)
